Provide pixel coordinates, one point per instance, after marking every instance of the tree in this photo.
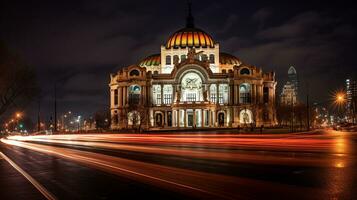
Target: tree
(137, 114)
(102, 119)
(17, 81)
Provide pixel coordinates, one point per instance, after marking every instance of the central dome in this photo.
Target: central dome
(189, 37)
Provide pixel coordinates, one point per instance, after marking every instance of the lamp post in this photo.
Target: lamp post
(79, 123)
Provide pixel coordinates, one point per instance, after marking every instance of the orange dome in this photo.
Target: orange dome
(190, 37)
(228, 59)
(153, 60)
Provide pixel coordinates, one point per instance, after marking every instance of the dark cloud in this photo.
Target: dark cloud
(82, 42)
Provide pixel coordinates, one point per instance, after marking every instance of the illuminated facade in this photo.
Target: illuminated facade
(192, 84)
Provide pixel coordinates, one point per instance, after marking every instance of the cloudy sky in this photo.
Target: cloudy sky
(79, 43)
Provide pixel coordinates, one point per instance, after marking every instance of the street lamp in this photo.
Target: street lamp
(340, 98)
(79, 123)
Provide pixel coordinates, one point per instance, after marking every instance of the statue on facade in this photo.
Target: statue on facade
(176, 60)
(192, 55)
(205, 95)
(178, 96)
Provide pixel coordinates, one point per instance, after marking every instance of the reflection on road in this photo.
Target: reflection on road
(329, 151)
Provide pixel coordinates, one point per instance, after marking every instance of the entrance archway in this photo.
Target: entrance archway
(221, 119)
(158, 120)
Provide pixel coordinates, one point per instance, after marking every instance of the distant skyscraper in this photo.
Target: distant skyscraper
(293, 78)
(351, 98)
(290, 90)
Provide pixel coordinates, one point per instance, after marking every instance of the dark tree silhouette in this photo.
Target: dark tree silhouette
(17, 81)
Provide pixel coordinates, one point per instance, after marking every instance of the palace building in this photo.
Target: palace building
(190, 84)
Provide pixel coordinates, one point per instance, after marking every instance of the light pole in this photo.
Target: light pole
(79, 123)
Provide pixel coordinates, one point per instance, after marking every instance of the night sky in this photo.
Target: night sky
(79, 43)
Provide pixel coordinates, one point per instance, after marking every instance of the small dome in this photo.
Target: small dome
(228, 59)
(190, 37)
(153, 60)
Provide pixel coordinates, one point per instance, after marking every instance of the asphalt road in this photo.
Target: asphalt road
(315, 165)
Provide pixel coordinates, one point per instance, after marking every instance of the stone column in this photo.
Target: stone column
(112, 98)
(238, 95)
(184, 118)
(235, 95)
(173, 93)
(125, 95)
(253, 94)
(120, 96)
(217, 93)
(214, 118)
(178, 117)
(144, 101)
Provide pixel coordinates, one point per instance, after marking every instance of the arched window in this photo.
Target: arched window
(168, 60)
(134, 72)
(191, 87)
(156, 94)
(244, 71)
(176, 59)
(134, 94)
(211, 58)
(204, 57)
(183, 57)
(244, 93)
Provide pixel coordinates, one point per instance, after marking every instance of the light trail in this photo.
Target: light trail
(200, 153)
(48, 195)
(201, 184)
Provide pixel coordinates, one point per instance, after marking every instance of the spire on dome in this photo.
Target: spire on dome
(189, 19)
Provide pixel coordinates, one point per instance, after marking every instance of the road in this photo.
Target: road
(314, 165)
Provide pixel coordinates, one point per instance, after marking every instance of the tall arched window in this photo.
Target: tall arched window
(156, 94)
(176, 59)
(204, 57)
(213, 93)
(167, 90)
(134, 94)
(211, 58)
(168, 60)
(183, 57)
(244, 93)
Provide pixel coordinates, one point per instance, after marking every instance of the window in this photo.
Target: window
(211, 58)
(244, 71)
(134, 94)
(213, 97)
(244, 93)
(167, 98)
(191, 97)
(266, 95)
(167, 90)
(220, 98)
(213, 93)
(176, 59)
(168, 60)
(183, 58)
(134, 72)
(116, 97)
(204, 57)
(158, 98)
